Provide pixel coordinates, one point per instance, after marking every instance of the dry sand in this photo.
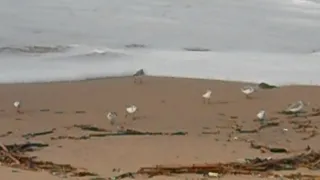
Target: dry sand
(166, 105)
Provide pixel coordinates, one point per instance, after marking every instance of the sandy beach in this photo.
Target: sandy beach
(165, 105)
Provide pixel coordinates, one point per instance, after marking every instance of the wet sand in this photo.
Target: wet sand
(165, 105)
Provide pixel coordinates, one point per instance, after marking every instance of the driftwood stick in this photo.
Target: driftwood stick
(7, 153)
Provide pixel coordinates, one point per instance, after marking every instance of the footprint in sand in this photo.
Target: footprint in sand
(59, 112)
(44, 110)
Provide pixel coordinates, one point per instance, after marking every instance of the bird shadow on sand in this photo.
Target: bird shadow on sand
(44, 110)
(217, 102)
(59, 112)
(135, 118)
(222, 102)
(251, 98)
(62, 112)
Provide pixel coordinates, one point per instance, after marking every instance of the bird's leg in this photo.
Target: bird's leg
(126, 115)
(140, 80)
(112, 122)
(18, 110)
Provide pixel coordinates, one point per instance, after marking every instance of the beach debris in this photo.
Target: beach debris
(32, 135)
(312, 134)
(6, 134)
(305, 127)
(264, 148)
(98, 178)
(269, 124)
(25, 147)
(126, 132)
(123, 176)
(138, 76)
(207, 96)
(234, 117)
(247, 90)
(17, 105)
(212, 175)
(239, 128)
(262, 167)
(314, 112)
(14, 156)
(131, 110)
(211, 132)
(249, 131)
(88, 127)
(111, 116)
(264, 85)
(84, 137)
(302, 126)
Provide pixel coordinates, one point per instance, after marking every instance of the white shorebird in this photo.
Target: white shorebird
(247, 90)
(17, 105)
(296, 107)
(111, 116)
(262, 117)
(207, 96)
(131, 110)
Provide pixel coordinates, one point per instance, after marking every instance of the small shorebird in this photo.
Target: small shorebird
(111, 116)
(132, 109)
(247, 90)
(262, 117)
(17, 105)
(207, 96)
(296, 107)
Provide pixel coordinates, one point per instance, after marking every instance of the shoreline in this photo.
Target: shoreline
(151, 76)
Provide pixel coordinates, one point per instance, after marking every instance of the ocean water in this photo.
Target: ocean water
(276, 41)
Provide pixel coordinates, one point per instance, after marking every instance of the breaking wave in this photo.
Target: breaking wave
(34, 49)
(63, 52)
(100, 53)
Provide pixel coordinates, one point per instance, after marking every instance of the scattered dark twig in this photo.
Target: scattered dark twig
(127, 132)
(32, 135)
(6, 134)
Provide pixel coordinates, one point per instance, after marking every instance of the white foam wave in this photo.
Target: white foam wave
(254, 67)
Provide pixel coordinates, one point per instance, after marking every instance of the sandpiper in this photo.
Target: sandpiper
(262, 117)
(131, 110)
(247, 90)
(111, 116)
(17, 105)
(207, 96)
(296, 107)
